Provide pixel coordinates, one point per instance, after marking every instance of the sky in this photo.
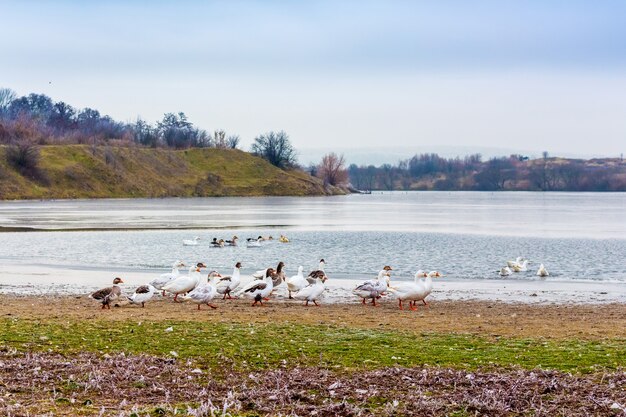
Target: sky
(533, 75)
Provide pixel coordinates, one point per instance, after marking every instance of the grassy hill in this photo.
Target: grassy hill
(81, 171)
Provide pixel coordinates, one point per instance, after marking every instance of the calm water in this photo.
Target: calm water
(465, 235)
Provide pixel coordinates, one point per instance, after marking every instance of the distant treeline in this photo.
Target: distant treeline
(515, 173)
(37, 118)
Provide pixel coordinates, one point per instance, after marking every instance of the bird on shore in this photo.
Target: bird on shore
(106, 295)
(312, 293)
(228, 284)
(259, 290)
(185, 283)
(205, 292)
(297, 282)
(374, 288)
(142, 295)
(164, 279)
(278, 274)
(542, 271)
(192, 242)
(409, 291)
(317, 273)
(428, 288)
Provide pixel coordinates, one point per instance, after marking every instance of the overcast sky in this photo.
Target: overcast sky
(536, 75)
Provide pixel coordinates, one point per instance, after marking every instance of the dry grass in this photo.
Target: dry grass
(120, 385)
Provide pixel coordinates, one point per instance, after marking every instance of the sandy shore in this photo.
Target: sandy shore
(44, 280)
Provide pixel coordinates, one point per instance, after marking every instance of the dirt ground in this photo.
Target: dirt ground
(585, 322)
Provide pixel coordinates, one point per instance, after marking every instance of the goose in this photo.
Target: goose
(517, 261)
(185, 283)
(106, 295)
(283, 239)
(217, 243)
(233, 241)
(505, 271)
(278, 275)
(374, 288)
(142, 294)
(428, 288)
(259, 290)
(228, 284)
(193, 242)
(410, 290)
(297, 282)
(163, 279)
(542, 271)
(205, 292)
(312, 292)
(317, 273)
(254, 243)
(520, 267)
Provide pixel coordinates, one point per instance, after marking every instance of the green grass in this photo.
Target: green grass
(80, 171)
(260, 346)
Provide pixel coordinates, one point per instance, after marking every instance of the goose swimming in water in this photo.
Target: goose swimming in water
(193, 242)
(254, 243)
(106, 295)
(142, 295)
(232, 242)
(228, 284)
(217, 243)
(505, 271)
(164, 279)
(542, 271)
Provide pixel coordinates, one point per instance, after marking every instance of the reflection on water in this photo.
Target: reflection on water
(579, 215)
(465, 235)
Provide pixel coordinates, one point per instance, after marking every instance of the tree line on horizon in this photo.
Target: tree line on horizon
(430, 171)
(30, 121)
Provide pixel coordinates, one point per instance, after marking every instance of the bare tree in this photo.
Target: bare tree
(6, 98)
(332, 169)
(233, 141)
(276, 148)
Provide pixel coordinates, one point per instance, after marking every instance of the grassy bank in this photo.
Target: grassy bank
(81, 171)
(65, 356)
(259, 346)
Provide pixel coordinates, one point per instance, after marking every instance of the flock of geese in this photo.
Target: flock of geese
(251, 242)
(521, 265)
(194, 288)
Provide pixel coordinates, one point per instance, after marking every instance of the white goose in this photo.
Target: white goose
(428, 288)
(228, 284)
(259, 290)
(521, 266)
(254, 243)
(542, 271)
(193, 242)
(205, 292)
(142, 295)
(164, 279)
(517, 261)
(505, 271)
(185, 283)
(374, 288)
(410, 290)
(297, 282)
(312, 292)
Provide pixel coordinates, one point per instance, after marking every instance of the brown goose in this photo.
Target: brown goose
(278, 275)
(106, 295)
(317, 273)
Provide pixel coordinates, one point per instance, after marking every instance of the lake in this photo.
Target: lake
(466, 235)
